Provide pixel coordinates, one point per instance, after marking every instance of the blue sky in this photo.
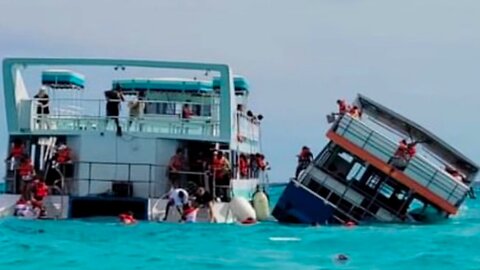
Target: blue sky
(420, 58)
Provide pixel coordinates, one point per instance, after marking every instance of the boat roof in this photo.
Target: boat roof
(429, 140)
(164, 84)
(239, 82)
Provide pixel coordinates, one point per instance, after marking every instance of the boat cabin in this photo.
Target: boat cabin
(365, 174)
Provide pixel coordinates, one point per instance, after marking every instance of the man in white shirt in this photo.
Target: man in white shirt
(177, 197)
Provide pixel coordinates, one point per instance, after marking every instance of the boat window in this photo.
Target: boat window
(356, 172)
(346, 156)
(373, 181)
(386, 190)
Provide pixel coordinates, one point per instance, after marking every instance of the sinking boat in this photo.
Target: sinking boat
(357, 178)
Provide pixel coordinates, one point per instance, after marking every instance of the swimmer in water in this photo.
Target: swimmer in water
(127, 218)
(341, 258)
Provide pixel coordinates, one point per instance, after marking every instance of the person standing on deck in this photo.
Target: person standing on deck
(114, 98)
(343, 107)
(136, 106)
(43, 109)
(16, 153)
(304, 159)
(175, 167)
(243, 166)
(221, 173)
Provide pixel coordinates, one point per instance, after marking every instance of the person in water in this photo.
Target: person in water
(190, 210)
(127, 218)
(177, 197)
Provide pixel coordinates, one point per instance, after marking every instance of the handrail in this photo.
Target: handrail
(422, 159)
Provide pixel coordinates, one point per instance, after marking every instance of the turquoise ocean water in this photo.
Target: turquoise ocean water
(106, 244)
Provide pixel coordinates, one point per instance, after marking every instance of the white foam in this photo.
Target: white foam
(284, 239)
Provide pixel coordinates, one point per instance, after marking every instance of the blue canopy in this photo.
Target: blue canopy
(164, 85)
(62, 78)
(239, 82)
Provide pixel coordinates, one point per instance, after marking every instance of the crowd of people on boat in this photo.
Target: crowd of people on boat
(217, 167)
(28, 181)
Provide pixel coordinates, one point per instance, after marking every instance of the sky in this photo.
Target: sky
(419, 57)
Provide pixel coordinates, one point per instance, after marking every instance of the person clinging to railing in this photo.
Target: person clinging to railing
(355, 112)
(404, 153)
(304, 159)
(343, 107)
(176, 165)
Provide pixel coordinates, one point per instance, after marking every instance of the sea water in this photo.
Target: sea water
(105, 244)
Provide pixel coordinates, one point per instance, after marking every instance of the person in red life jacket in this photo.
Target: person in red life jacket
(304, 159)
(221, 173)
(17, 150)
(411, 150)
(175, 166)
(400, 157)
(63, 154)
(243, 166)
(127, 218)
(186, 112)
(343, 107)
(355, 112)
(39, 192)
(25, 173)
(189, 214)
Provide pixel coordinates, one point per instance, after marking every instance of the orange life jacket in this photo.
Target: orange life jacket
(127, 219)
(17, 151)
(218, 166)
(261, 163)
(243, 164)
(177, 163)
(63, 155)
(354, 112)
(25, 168)
(411, 151)
(41, 190)
(401, 150)
(342, 107)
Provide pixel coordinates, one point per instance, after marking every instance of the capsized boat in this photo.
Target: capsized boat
(364, 174)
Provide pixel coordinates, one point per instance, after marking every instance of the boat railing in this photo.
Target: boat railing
(145, 180)
(418, 168)
(164, 117)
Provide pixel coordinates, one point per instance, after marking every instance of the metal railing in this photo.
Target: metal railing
(418, 168)
(163, 117)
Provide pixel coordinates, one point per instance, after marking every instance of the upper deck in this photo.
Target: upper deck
(82, 108)
(374, 139)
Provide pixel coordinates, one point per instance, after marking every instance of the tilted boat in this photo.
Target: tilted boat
(362, 176)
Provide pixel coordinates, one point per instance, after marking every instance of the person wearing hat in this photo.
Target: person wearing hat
(43, 109)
